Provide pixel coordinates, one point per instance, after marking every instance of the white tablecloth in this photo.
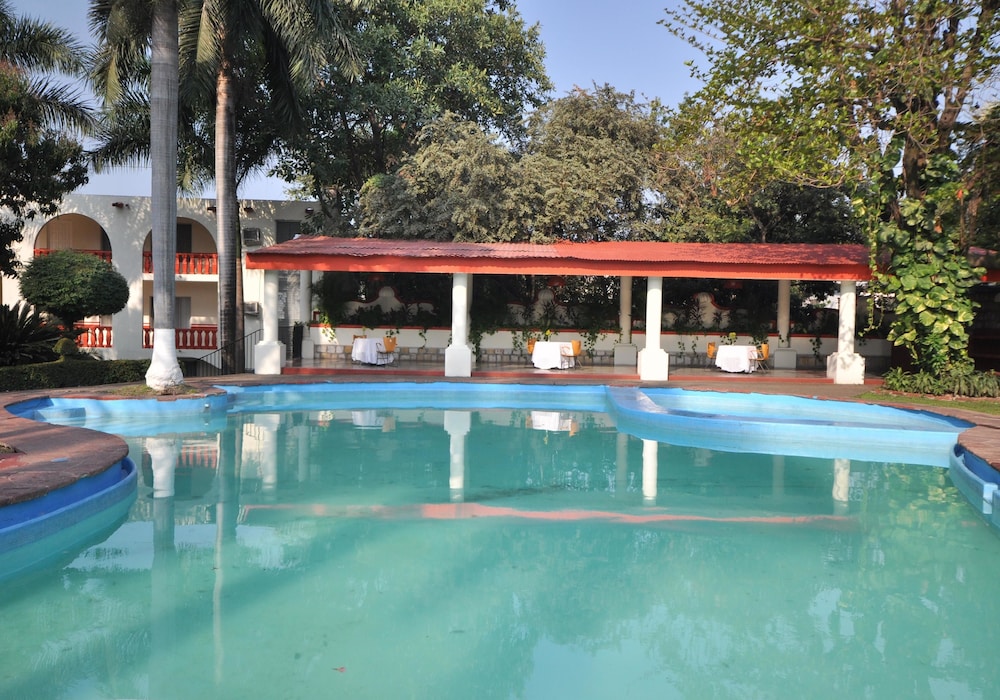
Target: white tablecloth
(548, 355)
(735, 358)
(366, 350)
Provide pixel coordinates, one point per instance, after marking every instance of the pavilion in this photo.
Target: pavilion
(783, 263)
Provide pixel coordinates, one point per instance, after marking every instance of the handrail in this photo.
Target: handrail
(212, 364)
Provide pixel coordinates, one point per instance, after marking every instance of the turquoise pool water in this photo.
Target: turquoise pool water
(424, 541)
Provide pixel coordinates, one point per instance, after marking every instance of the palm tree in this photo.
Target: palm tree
(237, 58)
(233, 44)
(37, 51)
(164, 371)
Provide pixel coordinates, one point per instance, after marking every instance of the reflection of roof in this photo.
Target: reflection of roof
(640, 258)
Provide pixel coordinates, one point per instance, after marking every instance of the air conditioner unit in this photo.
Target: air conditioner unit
(251, 308)
(251, 236)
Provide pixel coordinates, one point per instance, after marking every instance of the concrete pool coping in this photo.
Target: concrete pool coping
(50, 457)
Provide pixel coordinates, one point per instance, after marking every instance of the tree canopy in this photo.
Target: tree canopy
(72, 285)
(473, 58)
(859, 92)
(39, 157)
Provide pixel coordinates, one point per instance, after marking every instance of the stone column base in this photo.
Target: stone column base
(654, 365)
(784, 358)
(458, 361)
(846, 368)
(269, 357)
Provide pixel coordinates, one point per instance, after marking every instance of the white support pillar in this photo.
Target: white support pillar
(305, 312)
(784, 356)
(653, 360)
(845, 366)
(626, 354)
(458, 355)
(269, 353)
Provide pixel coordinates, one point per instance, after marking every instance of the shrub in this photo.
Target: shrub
(25, 337)
(957, 380)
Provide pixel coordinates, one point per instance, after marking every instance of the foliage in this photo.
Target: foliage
(838, 95)
(73, 285)
(39, 158)
(72, 371)
(420, 60)
(980, 148)
(956, 380)
(586, 169)
(927, 281)
(25, 336)
(456, 187)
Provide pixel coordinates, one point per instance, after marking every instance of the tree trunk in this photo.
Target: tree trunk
(164, 371)
(228, 222)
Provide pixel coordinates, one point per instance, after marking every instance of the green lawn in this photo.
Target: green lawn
(988, 406)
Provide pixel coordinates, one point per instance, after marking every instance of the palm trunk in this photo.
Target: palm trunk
(164, 371)
(228, 222)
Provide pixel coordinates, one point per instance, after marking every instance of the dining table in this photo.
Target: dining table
(736, 358)
(552, 421)
(366, 350)
(548, 354)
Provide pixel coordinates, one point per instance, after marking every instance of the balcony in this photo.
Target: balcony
(186, 263)
(94, 335)
(104, 255)
(193, 338)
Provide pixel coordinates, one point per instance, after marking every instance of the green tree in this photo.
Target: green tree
(456, 187)
(72, 285)
(39, 158)
(229, 50)
(859, 92)
(25, 337)
(474, 58)
(587, 168)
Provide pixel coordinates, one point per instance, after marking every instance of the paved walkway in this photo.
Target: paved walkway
(49, 456)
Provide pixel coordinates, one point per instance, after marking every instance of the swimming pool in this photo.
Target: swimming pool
(449, 540)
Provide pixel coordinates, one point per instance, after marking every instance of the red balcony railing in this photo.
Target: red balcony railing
(193, 338)
(94, 335)
(102, 254)
(187, 263)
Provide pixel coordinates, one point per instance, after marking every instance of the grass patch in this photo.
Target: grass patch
(987, 406)
(141, 391)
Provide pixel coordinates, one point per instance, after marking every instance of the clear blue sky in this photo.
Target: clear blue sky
(587, 41)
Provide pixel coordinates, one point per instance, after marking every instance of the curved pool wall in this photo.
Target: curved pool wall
(759, 423)
(44, 529)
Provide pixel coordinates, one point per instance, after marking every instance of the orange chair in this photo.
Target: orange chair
(530, 347)
(711, 351)
(574, 353)
(763, 353)
(387, 350)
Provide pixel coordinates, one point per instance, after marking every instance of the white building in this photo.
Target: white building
(118, 229)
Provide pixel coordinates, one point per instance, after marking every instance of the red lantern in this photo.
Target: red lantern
(556, 281)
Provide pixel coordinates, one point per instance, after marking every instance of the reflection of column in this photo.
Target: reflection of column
(778, 475)
(841, 483)
(650, 455)
(458, 355)
(163, 454)
(621, 461)
(457, 424)
(267, 426)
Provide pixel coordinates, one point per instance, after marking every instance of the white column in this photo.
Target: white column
(305, 312)
(845, 366)
(784, 357)
(653, 360)
(458, 355)
(269, 353)
(625, 351)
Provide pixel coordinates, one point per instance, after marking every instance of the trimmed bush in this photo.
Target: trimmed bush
(72, 371)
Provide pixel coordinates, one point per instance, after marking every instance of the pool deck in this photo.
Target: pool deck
(50, 456)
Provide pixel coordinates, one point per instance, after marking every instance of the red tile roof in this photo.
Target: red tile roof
(695, 260)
